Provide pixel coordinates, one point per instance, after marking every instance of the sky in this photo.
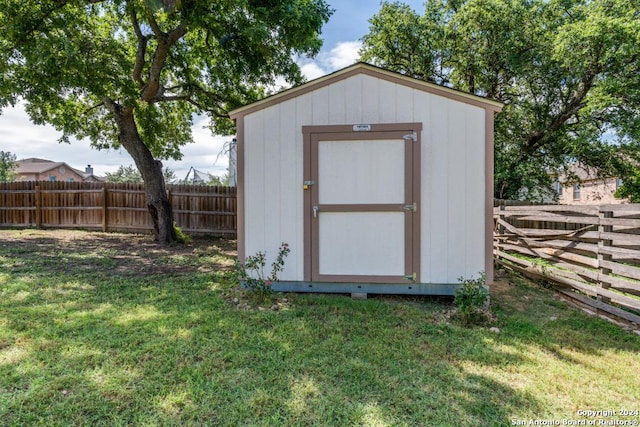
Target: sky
(341, 35)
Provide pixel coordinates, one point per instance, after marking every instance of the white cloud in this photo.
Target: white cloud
(21, 137)
(25, 139)
(311, 70)
(343, 55)
(340, 56)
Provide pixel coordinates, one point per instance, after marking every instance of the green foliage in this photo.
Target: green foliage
(7, 166)
(251, 273)
(124, 174)
(131, 174)
(219, 180)
(567, 71)
(630, 188)
(471, 300)
(133, 73)
(181, 236)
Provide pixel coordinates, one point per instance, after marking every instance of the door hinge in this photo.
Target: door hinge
(412, 207)
(413, 277)
(413, 136)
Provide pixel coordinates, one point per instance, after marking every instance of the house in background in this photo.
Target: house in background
(34, 169)
(590, 190)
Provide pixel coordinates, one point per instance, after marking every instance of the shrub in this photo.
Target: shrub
(181, 235)
(251, 273)
(471, 300)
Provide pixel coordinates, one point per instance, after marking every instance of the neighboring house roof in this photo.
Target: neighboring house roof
(580, 173)
(35, 165)
(368, 69)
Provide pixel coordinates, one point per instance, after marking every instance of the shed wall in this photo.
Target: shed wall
(453, 176)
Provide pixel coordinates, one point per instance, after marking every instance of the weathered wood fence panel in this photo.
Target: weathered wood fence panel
(114, 206)
(592, 252)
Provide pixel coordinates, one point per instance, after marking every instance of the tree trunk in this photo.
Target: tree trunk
(151, 170)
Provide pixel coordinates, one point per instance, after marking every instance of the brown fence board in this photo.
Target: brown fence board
(599, 305)
(593, 250)
(561, 218)
(589, 210)
(623, 270)
(114, 206)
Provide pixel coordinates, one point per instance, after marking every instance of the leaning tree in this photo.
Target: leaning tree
(134, 73)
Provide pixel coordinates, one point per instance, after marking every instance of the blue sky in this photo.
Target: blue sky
(341, 43)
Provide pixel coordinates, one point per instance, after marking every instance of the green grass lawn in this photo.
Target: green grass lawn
(108, 329)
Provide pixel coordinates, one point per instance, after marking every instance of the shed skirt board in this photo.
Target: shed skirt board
(447, 289)
(362, 219)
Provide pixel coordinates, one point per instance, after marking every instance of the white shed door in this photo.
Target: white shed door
(363, 206)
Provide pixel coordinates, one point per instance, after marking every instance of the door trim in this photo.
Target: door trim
(313, 134)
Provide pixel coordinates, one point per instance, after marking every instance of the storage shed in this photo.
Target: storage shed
(379, 183)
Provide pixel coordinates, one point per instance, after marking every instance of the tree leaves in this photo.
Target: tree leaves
(8, 166)
(567, 71)
(166, 59)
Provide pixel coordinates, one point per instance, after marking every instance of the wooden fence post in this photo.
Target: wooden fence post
(500, 229)
(603, 273)
(105, 210)
(38, 201)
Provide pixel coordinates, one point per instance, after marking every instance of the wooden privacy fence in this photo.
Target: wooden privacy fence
(114, 206)
(591, 252)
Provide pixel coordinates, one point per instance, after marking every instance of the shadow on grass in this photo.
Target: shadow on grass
(78, 348)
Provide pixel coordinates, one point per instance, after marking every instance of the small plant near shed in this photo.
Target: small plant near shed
(471, 300)
(251, 273)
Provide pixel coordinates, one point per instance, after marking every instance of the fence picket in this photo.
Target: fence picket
(114, 206)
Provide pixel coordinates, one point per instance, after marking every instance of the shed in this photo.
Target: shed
(379, 183)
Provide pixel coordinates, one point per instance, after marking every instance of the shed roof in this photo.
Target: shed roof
(373, 71)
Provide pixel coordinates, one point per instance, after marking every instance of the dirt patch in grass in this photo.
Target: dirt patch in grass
(115, 253)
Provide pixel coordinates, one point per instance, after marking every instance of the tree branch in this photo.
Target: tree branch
(536, 139)
(154, 25)
(95, 107)
(190, 98)
(219, 112)
(141, 49)
(112, 106)
(165, 41)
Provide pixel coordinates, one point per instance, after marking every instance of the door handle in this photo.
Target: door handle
(315, 211)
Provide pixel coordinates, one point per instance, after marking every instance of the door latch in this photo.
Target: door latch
(413, 277)
(412, 207)
(412, 136)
